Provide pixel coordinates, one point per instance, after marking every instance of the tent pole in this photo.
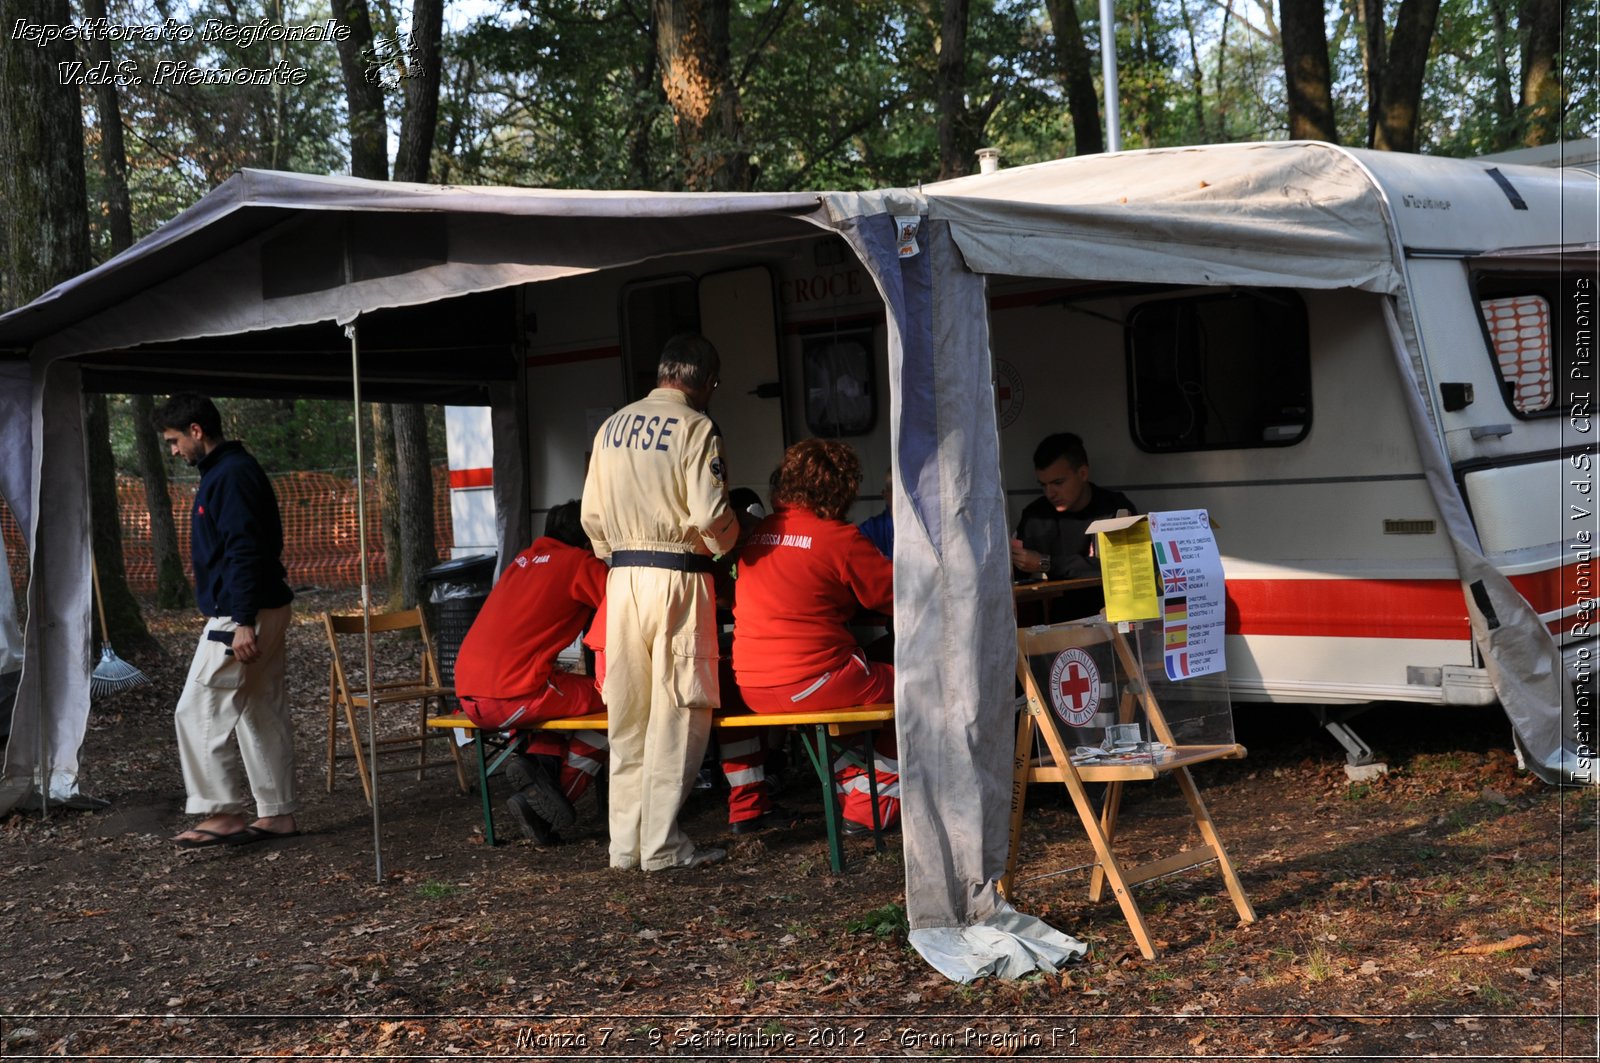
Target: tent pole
(353, 332)
(1108, 74)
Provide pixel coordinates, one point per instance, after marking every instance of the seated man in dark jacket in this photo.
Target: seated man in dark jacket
(1052, 537)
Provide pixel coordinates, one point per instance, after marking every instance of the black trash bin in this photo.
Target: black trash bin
(455, 592)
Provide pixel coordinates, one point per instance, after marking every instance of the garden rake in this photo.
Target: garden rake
(112, 675)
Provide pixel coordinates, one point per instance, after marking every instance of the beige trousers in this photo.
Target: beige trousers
(660, 690)
(223, 698)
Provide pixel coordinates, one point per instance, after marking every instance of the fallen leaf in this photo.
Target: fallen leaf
(1515, 941)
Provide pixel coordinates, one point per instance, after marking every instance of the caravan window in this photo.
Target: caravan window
(1210, 372)
(841, 397)
(1533, 335)
(653, 311)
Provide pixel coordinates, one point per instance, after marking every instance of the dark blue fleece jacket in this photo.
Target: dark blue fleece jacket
(237, 539)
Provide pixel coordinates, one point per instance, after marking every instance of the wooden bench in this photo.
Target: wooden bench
(817, 730)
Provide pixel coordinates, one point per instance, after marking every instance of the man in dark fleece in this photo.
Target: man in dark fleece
(235, 685)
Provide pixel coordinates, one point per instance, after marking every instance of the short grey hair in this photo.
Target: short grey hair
(688, 360)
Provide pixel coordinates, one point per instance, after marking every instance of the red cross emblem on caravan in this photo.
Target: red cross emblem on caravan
(1075, 686)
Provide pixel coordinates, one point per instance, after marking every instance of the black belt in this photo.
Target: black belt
(662, 559)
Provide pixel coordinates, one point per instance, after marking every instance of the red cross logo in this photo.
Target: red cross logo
(1074, 686)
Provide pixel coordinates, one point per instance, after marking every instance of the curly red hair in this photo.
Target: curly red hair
(821, 475)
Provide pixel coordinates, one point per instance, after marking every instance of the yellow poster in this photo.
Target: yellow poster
(1128, 573)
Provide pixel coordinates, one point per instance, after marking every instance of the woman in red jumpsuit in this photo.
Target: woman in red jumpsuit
(804, 574)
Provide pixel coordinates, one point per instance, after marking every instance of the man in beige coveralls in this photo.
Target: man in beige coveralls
(656, 504)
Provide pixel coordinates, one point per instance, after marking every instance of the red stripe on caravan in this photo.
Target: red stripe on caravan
(460, 478)
(1545, 590)
(588, 354)
(1348, 608)
(1383, 609)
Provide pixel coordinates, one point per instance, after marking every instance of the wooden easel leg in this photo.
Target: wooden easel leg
(1108, 826)
(1108, 864)
(1020, 770)
(1208, 833)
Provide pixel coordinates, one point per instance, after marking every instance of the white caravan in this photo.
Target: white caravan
(1280, 411)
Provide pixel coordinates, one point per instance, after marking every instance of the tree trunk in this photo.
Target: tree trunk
(1077, 75)
(1505, 104)
(41, 155)
(421, 117)
(1375, 54)
(388, 476)
(692, 51)
(1400, 86)
(413, 471)
(647, 85)
(418, 546)
(172, 585)
(1197, 80)
(363, 94)
(1542, 91)
(955, 153)
(1306, 74)
(126, 625)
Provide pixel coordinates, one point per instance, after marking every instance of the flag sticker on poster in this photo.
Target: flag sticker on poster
(1194, 596)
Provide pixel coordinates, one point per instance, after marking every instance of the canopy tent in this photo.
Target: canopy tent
(267, 253)
(246, 291)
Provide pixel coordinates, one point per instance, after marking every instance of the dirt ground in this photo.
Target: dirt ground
(1446, 910)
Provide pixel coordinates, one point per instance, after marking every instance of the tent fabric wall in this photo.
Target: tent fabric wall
(51, 713)
(954, 622)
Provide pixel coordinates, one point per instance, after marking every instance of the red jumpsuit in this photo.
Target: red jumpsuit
(506, 668)
(801, 580)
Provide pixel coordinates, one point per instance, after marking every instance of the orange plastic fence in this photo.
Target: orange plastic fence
(321, 536)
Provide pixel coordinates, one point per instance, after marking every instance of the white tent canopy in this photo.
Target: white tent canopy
(269, 251)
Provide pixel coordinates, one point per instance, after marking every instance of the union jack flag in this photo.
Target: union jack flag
(1174, 581)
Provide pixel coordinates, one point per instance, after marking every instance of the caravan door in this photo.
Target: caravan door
(738, 313)
(1509, 374)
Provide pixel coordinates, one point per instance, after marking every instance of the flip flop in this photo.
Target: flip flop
(211, 838)
(252, 834)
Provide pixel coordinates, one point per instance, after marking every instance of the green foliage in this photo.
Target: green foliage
(436, 891)
(184, 139)
(888, 921)
(285, 435)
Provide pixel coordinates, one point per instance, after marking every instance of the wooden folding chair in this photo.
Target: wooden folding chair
(347, 691)
(1052, 644)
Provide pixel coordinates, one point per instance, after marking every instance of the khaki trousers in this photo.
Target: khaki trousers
(222, 698)
(660, 690)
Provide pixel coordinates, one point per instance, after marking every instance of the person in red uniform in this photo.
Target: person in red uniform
(506, 671)
(804, 574)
